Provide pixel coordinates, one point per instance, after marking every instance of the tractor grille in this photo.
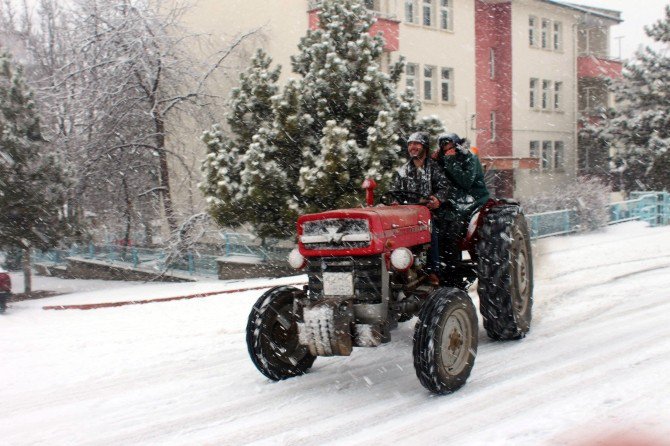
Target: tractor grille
(336, 233)
(367, 275)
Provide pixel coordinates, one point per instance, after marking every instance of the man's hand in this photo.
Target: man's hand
(433, 203)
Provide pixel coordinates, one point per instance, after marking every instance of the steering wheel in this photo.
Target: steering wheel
(402, 197)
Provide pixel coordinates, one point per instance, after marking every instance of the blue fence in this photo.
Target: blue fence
(235, 246)
(546, 224)
(652, 207)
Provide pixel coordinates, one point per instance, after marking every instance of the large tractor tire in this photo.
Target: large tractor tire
(445, 340)
(505, 270)
(272, 336)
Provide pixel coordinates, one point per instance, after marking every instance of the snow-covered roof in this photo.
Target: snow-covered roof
(608, 14)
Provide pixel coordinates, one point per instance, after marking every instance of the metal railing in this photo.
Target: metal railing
(652, 207)
(546, 224)
(191, 262)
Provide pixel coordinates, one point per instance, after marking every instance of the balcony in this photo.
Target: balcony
(386, 24)
(510, 163)
(592, 67)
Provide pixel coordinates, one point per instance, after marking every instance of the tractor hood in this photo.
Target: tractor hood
(363, 231)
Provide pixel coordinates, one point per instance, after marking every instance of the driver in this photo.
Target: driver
(423, 176)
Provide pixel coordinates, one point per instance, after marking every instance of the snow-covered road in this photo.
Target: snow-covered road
(596, 362)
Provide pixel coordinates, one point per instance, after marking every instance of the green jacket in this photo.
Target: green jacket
(468, 192)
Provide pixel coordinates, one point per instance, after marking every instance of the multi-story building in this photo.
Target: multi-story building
(510, 75)
(595, 68)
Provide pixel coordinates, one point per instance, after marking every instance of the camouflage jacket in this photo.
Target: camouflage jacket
(426, 181)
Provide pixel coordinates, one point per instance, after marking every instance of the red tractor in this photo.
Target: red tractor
(366, 273)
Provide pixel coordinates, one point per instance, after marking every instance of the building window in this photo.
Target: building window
(410, 11)
(492, 63)
(546, 155)
(545, 34)
(410, 78)
(558, 93)
(559, 156)
(534, 151)
(558, 36)
(546, 87)
(533, 93)
(447, 85)
(428, 74)
(532, 31)
(493, 126)
(428, 12)
(445, 14)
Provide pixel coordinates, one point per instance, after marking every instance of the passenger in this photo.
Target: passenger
(468, 193)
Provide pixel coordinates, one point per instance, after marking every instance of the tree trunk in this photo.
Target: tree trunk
(164, 174)
(129, 217)
(148, 232)
(27, 273)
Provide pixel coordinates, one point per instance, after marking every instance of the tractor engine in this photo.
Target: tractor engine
(359, 263)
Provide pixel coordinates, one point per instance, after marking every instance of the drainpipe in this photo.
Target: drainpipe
(575, 94)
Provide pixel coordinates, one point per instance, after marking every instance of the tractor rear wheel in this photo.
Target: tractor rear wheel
(505, 270)
(445, 340)
(272, 336)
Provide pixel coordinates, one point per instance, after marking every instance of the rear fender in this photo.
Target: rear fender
(470, 240)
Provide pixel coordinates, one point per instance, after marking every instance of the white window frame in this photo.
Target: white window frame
(411, 12)
(559, 156)
(558, 96)
(413, 78)
(429, 83)
(428, 5)
(492, 63)
(545, 33)
(449, 83)
(533, 93)
(534, 151)
(545, 96)
(593, 100)
(532, 31)
(547, 155)
(493, 124)
(446, 11)
(557, 37)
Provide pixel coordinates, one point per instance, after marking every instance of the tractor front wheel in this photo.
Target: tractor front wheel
(445, 340)
(272, 336)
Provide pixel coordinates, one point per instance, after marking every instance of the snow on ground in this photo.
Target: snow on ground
(595, 362)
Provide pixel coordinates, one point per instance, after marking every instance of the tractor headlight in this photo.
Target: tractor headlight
(402, 259)
(296, 260)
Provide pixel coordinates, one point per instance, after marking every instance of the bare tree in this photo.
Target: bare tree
(112, 76)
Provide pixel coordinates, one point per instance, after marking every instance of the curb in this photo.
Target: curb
(161, 299)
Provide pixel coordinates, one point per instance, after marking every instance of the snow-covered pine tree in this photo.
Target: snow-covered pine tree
(250, 109)
(640, 127)
(266, 186)
(323, 163)
(324, 176)
(274, 184)
(31, 181)
(342, 81)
